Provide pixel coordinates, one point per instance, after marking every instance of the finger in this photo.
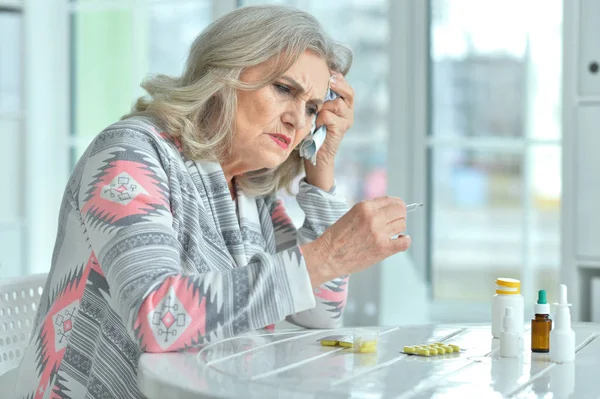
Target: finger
(337, 106)
(343, 89)
(402, 243)
(381, 202)
(329, 119)
(335, 124)
(397, 207)
(396, 226)
(389, 215)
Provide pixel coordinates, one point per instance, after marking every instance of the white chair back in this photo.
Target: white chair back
(19, 298)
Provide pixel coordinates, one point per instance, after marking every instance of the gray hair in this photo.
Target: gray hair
(199, 107)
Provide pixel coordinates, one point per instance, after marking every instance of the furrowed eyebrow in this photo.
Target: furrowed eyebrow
(298, 87)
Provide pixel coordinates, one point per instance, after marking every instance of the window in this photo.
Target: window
(114, 46)
(11, 160)
(494, 148)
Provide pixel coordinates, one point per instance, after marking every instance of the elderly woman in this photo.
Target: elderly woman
(171, 234)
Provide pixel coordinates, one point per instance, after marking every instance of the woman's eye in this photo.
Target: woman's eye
(282, 88)
(311, 111)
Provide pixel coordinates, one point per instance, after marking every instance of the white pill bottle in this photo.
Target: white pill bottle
(508, 294)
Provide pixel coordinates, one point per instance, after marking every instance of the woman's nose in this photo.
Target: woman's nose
(295, 116)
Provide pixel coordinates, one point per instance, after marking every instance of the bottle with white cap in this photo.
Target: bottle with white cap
(509, 337)
(508, 293)
(562, 336)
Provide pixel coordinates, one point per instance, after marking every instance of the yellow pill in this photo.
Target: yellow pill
(433, 352)
(327, 342)
(439, 343)
(455, 348)
(346, 344)
(410, 349)
(448, 349)
(441, 350)
(367, 348)
(432, 345)
(423, 352)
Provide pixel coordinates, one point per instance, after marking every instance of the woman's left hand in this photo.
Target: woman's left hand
(338, 116)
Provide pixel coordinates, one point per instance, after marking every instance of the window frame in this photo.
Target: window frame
(409, 51)
(11, 5)
(17, 224)
(45, 106)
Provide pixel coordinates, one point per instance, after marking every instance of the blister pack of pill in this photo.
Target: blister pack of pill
(364, 342)
(346, 341)
(435, 349)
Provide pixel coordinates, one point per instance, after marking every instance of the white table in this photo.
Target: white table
(293, 365)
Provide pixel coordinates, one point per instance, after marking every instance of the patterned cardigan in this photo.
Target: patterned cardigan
(151, 255)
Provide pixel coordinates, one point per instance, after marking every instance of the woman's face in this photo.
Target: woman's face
(271, 121)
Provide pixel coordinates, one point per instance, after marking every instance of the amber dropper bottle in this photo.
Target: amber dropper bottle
(541, 325)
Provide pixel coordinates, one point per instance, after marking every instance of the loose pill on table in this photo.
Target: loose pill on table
(367, 348)
(455, 348)
(433, 352)
(326, 342)
(448, 349)
(346, 344)
(441, 350)
(410, 349)
(369, 343)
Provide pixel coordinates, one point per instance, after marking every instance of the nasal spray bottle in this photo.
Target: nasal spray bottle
(509, 337)
(562, 336)
(508, 293)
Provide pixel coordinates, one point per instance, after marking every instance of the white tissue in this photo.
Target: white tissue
(310, 145)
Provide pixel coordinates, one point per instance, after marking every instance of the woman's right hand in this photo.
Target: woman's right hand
(358, 240)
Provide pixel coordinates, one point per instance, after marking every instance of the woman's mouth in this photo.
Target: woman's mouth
(281, 140)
